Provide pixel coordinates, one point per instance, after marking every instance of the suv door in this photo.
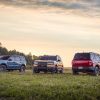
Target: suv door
(17, 62)
(13, 62)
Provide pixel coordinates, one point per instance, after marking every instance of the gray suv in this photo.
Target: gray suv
(48, 64)
(13, 62)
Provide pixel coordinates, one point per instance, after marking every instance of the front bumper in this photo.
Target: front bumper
(44, 69)
(83, 69)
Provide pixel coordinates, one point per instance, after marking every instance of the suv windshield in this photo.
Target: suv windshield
(4, 57)
(82, 56)
(48, 58)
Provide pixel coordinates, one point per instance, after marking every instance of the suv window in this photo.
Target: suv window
(12, 58)
(22, 58)
(97, 57)
(48, 58)
(82, 56)
(5, 58)
(17, 58)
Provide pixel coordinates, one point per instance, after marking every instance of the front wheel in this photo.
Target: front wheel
(61, 71)
(22, 69)
(35, 70)
(54, 70)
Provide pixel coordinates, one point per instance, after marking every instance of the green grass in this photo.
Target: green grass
(28, 86)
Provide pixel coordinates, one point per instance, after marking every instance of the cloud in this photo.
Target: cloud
(89, 7)
(73, 4)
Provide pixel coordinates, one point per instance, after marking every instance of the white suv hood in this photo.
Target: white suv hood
(44, 61)
(48, 61)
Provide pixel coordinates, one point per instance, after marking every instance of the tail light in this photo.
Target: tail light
(90, 63)
(82, 63)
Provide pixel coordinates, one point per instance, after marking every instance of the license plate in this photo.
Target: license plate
(80, 67)
(43, 65)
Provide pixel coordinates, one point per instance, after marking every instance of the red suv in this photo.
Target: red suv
(86, 62)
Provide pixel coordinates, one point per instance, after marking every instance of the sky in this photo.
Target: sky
(52, 27)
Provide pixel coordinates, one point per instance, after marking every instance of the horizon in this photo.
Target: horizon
(51, 27)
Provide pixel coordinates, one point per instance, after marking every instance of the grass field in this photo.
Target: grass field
(28, 86)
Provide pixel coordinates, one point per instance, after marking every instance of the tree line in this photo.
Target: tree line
(29, 57)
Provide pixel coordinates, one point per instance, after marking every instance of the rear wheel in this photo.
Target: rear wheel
(2, 68)
(96, 71)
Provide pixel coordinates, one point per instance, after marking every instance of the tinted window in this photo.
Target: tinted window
(82, 56)
(5, 58)
(48, 58)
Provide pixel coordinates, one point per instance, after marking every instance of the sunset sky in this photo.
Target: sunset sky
(53, 27)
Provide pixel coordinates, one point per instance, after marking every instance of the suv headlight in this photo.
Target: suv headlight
(35, 63)
(51, 63)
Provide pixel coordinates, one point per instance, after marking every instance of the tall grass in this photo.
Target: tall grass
(28, 86)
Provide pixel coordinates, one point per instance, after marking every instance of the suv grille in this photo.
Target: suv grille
(42, 64)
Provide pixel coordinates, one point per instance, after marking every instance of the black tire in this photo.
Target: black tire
(36, 71)
(3, 68)
(61, 71)
(56, 70)
(75, 72)
(22, 69)
(96, 71)
(53, 70)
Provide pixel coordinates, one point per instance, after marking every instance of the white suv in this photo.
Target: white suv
(48, 63)
(13, 62)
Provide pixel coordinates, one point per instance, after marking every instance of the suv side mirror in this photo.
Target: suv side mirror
(59, 60)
